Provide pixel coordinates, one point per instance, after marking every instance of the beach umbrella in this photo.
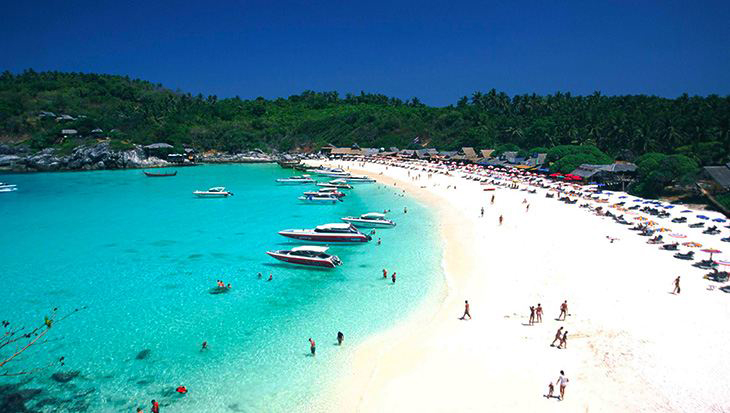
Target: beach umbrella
(640, 218)
(719, 220)
(692, 244)
(664, 230)
(722, 262)
(711, 251)
(669, 206)
(686, 211)
(703, 217)
(677, 235)
(622, 197)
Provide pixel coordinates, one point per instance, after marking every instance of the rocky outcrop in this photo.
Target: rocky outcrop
(85, 157)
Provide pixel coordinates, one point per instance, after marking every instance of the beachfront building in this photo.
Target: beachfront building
(718, 177)
(616, 175)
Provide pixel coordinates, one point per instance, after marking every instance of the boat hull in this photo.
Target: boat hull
(154, 175)
(321, 263)
(326, 238)
(211, 195)
(315, 201)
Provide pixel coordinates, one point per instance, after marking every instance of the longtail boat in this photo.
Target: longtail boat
(157, 175)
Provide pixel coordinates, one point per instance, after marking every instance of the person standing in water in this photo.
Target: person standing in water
(155, 406)
(312, 346)
(385, 273)
(405, 210)
(563, 311)
(392, 277)
(340, 338)
(204, 346)
(260, 276)
(271, 277)
(676, 286)
(466, 311)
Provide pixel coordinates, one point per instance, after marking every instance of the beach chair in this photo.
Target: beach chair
(685, 256)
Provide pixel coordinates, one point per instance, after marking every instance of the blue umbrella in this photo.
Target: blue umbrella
(703, 217)
(622, 197)
(719, 220)
(637, 200)
(669, 206)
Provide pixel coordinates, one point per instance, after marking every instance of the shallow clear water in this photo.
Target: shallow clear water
(143, 253)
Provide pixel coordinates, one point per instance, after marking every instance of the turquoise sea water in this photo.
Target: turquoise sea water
(143, 253)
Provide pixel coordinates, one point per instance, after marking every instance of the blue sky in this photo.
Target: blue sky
(437, 51)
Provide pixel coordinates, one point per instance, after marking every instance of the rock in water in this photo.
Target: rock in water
(143, 354)
(64, 377)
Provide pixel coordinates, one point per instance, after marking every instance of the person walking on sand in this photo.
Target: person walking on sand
(466, 311)
(500, 219)
(482, 212)
(551, 388)
(312, 346)
(558, 336)
(562, 382)
(527, 209)
(564, 340)
(492, 201)
(538, 313)
(532, 314)
(563, 311)
(392, 277)
(676, 286)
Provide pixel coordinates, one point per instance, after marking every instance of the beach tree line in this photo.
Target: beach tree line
(690, 131)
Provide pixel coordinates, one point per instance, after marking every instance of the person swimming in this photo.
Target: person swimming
(182, 390)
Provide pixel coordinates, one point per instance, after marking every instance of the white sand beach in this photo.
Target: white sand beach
(632, 344)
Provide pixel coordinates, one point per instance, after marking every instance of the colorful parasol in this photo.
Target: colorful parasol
(692, 244)
(677, 235)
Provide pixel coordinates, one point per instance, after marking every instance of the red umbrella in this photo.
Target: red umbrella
(712, 251)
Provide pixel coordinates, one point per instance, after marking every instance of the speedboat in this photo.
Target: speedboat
(307, 255)
(370, 220)
(326, 192)
(359, 179)
(159, 175)
(322, 170)
(7, 187)
(215, 192)
(328, 233)
(319, 199)
(297, 179)
(336, 183)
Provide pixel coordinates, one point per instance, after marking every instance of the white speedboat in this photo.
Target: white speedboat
(295, 180)
(328, 233)
(359, 179)
(336, 183)
(307, 255)
(326, 192)
(322, 171)
(8, 187)
(215, 192)
(370, 220)
(319, 199)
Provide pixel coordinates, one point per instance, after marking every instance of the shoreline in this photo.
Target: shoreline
(497, 362)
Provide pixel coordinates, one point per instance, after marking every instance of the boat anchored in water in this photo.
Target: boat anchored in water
(295, 180)
(328, 233)
(158, 175)
(319, 199)
(370, 220)
(8, 187)
(359, 179)
(326, 192)
(337, 183)
(215, 192)
(307, 255)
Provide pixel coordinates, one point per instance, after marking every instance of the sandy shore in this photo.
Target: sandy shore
(632, 345)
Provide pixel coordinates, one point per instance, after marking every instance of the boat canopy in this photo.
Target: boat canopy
(312, 248)
(372, 215)
(217, 189)
(338, 181)
(333, 226)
